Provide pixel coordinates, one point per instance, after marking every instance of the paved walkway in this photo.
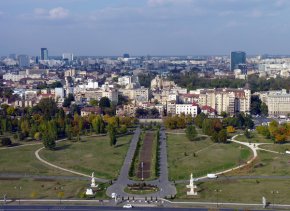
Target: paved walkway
(165, 186)
(253, 149)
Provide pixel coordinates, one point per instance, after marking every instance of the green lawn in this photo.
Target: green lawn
(201, 157)
(28, 140)
(276, 147)
(244, 191)
(256, 138)
(92, 154)
(41, 189)
(22, 160)
(267, 164)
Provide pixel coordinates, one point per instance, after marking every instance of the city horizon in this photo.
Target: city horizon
(154, 27)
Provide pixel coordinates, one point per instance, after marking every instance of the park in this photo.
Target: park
(23, 175)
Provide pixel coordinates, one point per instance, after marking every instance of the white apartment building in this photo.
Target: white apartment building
(112, 94)
(278, 102)
(141, 94)
(187, 109)
(59, 93)
(125, 80)
(13, 77)
(230, 101)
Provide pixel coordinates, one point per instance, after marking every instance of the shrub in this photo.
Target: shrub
(6, 141)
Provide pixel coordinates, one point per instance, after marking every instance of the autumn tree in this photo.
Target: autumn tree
(230, 129)
(191, 132)
(112, 134)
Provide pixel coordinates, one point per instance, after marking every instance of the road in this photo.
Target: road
(90, 208)
(224, 178)
(40, 177)
(165, 186)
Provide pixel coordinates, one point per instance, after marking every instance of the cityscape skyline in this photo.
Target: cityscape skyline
(154, 27)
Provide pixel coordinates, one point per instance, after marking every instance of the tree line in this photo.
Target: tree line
(279, 133)
(216, 128)
(47, 123)
(190, 80)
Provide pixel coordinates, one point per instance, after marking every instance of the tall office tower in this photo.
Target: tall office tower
(43, 54)
(13, 56)
(68, 56)
(237, 58)
(126, 56)
(23, 61)
(36, 60)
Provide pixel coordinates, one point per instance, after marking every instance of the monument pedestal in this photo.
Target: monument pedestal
(192, 192)
(192, 186)
(89, 192)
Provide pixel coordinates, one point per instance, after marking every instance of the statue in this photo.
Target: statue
(192, 186)
(93, 181)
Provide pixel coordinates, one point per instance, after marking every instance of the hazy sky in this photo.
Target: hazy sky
(141, 27)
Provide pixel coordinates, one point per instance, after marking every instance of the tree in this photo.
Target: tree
(112, 134)
(215, 137)
(223, 136)
(255, 105)
(154, 112)
(247, 134)
(230, 129)
(208, 127)
(68, 131)
(141, 112)
(49, 135)
(10, 110)
(37, 136)
(199, 119)
(94, 102)
(48, 141)
(68, 100)
(47, 107)
(264, 109)
(191, 132)
(104, 103)
(224, 114)
(6, 141)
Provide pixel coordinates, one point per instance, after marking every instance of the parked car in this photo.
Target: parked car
(212, 176)
(128, 206)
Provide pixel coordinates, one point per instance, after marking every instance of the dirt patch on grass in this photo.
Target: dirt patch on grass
(145, 156)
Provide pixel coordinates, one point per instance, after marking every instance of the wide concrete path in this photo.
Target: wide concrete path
(165, 186)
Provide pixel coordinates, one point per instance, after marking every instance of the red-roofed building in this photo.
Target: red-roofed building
(207, 110)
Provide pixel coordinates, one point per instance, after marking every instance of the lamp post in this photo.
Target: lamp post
(4, 199)
(142, 166)
(19, 189)
(60, 194)
(274, 192)
(217, 199)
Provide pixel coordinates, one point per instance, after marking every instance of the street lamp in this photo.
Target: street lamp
(60, 194)
(142, 166)
(217, 199)
(4, 199)
(274, 192)
(18, 188)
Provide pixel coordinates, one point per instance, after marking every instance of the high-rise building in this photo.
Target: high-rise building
(43, 54)
(36, 60)
(68, 57)
(237, 58)
(23, 61)
(13, 56)
(126, 56)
